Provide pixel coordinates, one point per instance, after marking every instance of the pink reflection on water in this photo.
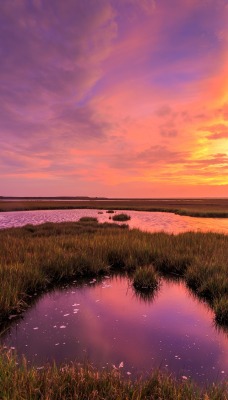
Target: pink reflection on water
(144, 220)
(112, 325)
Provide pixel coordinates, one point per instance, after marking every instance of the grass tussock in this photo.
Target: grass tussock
(35, 257)
(74, 382)
(145, 278)
(121, 217)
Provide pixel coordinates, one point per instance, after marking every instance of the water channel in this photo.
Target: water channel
(144, 220)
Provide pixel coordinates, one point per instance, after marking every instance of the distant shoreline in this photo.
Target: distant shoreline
(196, 207)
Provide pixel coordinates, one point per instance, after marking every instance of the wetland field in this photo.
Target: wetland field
(93, 308)
(211, 207)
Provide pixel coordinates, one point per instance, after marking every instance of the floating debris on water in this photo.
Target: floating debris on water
(12, 316)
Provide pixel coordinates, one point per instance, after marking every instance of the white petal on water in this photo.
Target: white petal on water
(35, 328)
(12, 316)
(62, 327)
(66, 315)
(121, 364)
(184, 377)
(128, 373)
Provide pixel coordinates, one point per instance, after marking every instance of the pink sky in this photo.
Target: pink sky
(123, 98)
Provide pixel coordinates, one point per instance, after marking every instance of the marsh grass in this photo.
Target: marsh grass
(77, 382)
(88, 219)
(121, 217)
(145, 278)
(36, 257)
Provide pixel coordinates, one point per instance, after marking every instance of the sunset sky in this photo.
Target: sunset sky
(115, 98)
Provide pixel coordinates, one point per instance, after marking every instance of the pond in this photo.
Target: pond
(106, 323)
(144, 220)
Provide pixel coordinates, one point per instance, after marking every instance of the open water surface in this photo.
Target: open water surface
(107, 324)
(144, 220)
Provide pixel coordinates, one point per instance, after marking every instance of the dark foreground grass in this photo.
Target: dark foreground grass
(210, 208)
(73, 382)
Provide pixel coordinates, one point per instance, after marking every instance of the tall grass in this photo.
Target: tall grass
(75, 382)
(34, 257)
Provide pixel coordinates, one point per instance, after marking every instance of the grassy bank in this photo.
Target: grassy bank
(210, 208)
(73, 382)
(35, 257)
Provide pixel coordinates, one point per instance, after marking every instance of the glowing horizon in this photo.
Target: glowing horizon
(114, 98)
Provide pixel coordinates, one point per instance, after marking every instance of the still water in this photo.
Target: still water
(107, 324)
(144, 220)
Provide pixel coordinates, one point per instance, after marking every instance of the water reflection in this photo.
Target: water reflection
(106, 323)
(148, 221)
